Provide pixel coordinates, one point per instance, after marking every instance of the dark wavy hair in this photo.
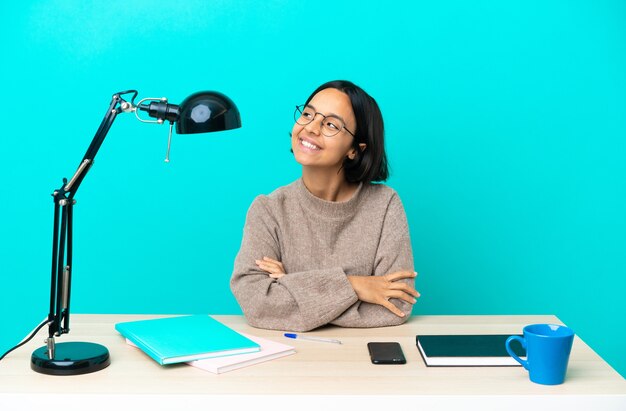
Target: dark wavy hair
(369, 165)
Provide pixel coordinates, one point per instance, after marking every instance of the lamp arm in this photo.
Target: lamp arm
(118, 105)
(61, 271)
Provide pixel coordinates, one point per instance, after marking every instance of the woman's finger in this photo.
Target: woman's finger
(401, 295)
(273, 261)
(392, 308)
(404, 287)
(264, 266)
(270, 266)
(399, 275)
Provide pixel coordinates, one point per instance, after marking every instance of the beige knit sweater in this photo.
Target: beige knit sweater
(319, 243)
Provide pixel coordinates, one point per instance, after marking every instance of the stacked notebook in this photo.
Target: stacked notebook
(270, 350)
(467, 350)
(201, 341)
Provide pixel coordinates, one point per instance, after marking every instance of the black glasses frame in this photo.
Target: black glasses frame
(297, 116)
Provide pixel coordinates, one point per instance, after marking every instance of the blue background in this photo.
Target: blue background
(506, 127)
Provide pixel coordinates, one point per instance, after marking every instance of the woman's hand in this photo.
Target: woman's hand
(273, 267)
(379, 289)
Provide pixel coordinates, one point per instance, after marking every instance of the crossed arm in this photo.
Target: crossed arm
(273, 298)
(370, 289)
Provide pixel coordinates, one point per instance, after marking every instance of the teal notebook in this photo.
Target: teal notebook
(188, 338)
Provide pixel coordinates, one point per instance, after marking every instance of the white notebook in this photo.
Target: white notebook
(270, 350)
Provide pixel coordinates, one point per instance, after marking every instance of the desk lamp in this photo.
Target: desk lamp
(199, 113)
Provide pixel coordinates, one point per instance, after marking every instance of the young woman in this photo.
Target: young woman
(330, 247)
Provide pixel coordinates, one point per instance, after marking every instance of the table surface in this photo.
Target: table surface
(316, 368)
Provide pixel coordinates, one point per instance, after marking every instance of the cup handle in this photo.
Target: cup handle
(512, 354)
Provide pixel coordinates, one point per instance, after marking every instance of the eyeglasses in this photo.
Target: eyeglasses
(331, 125)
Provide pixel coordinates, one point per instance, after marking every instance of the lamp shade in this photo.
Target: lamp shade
(207, 111)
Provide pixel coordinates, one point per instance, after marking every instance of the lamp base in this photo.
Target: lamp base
(71, 358)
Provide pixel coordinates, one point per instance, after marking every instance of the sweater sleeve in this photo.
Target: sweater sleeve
(298, 301)
(394, 253)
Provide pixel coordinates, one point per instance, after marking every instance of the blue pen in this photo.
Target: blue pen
(318, 339)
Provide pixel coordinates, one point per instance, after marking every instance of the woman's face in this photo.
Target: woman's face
(312, 148)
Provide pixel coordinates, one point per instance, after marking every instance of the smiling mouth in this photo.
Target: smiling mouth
(308, 145)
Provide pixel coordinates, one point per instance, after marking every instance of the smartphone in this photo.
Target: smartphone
(386, 353)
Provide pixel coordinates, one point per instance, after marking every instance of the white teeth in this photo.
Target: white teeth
(309, 145)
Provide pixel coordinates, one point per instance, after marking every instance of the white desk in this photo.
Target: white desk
(318, 375)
